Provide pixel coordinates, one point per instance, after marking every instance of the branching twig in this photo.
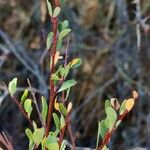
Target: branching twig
(19, 106)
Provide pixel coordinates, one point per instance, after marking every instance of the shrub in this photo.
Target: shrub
(58, 107)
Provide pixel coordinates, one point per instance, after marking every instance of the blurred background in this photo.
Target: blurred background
(111, 36)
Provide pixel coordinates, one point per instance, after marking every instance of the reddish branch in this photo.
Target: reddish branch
(54, 21)
(109, 134)
(21, 109)
(68, 127)
(5, 142)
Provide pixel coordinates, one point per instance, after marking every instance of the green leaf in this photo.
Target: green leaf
(56, 132)
(60, 26)
(44, 108)
(111, 117)
(107, 104)
(64, 33)
(38, 135)
(53, 146)
(67, 84)
(34, 125)
(59, 44)
(63, 146)
(51, 142)
(49, 40)
(122, 107)
(28, 106)
(12, 86)
(56, 11)
(24, 96)
(65, 24)
(102, 129)
(67, 95)
(63, 109)
(49, 6)
(51, 138)
(55, 77)
(108, 123)
(29, 134)
(64, 71)
(62, 121)
(56, 120)
(31, 145)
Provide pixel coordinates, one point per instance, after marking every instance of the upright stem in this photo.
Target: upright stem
(52, 69)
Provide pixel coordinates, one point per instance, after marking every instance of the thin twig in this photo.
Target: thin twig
(35, 102)
(71, 134)
(19, 106)
(21, 109)
(4, 140)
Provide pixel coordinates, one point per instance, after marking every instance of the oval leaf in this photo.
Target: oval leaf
(64, 33)
(44, 108)
(49, 6)
(67, 84)
(62, 121)
(63, 109)
(29, 134)
(65, 24)
(28, 106)
(102, 129)
(107, 104)
(56, 120)
(56, 11)
(12, 86)
(111, 117)
(49, 40)
(24, 96)
(38, 136)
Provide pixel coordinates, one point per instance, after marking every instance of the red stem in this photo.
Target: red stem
(52, 68)
(22, 110)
